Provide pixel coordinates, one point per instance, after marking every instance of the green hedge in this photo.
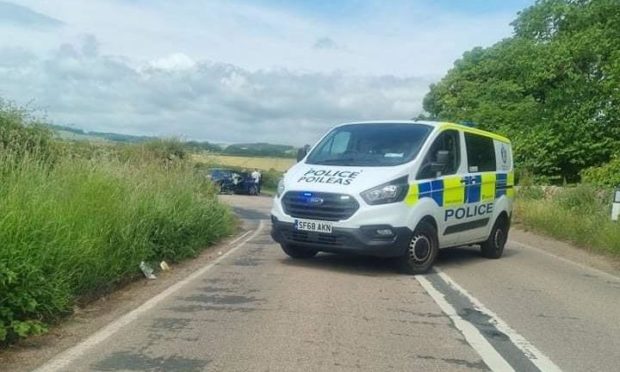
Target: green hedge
(605, 175)
(80, 225)
(84, 226)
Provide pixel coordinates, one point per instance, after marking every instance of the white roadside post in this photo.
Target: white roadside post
(615, 206)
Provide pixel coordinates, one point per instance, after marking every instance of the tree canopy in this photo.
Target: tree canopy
(553, 87)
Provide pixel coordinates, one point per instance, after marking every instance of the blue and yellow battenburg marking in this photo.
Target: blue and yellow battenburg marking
(459, 190)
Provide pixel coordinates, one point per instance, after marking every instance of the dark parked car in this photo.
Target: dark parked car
(233, 182)
(217, 175)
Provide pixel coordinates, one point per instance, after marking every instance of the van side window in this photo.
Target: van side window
(480, 153)
(446, 141)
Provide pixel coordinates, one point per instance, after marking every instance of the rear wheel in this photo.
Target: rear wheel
(422, 251)
(298, 252)
(493, 247)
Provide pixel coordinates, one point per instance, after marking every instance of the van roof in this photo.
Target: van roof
(439, 125)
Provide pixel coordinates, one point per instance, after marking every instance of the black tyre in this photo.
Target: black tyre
(422, 251)
(253, 190)
(493, 247)
(298, 252)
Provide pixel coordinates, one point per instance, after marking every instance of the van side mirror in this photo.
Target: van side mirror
(302, 152)
(441, 161)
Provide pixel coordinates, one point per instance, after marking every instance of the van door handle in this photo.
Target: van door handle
(464, 182)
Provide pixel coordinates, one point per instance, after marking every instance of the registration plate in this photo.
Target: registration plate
(314, 226)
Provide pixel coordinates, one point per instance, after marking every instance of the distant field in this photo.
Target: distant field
(279, 164)
(66, 135)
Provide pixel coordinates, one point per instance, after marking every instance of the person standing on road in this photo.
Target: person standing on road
(256, 176)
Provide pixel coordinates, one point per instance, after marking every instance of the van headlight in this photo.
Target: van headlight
(390, 192)
(280, 190)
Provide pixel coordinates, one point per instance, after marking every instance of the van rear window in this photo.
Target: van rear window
(480, 153)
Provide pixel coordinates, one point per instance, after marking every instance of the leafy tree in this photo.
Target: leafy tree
(553, 87)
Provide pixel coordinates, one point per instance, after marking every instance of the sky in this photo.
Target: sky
(279, 71)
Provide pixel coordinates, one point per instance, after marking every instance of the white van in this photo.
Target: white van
(401, 189)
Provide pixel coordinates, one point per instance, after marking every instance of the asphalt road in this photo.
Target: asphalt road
(254, 309)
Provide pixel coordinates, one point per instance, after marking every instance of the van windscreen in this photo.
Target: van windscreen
(374, 145)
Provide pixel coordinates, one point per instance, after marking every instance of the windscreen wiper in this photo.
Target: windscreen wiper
(349, 161)
(336, 161)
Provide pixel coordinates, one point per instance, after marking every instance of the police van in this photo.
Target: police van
(401, 189)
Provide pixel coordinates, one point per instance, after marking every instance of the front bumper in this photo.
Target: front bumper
(360, 241)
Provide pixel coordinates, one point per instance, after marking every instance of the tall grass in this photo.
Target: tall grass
(80, 225)
(578, 214)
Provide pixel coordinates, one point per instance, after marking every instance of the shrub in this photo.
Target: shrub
(530, 192)
(524, 177)
(271, 179)
(22, 135)
(582, 199)
(604, 175)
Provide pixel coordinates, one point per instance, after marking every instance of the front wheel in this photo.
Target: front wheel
(422, 251)
(493, 247)
(298, 252)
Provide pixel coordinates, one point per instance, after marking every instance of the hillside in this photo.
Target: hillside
(77, 134)
(243, 149)
(261, 149)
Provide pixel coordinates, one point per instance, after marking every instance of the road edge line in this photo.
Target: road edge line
(62, 360)
(474, 338)
(239, 238)
(564, 259)
(538, 358)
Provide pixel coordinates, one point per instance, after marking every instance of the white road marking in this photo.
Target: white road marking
(239, 238)
(62, 361)
(488, 354)
(540, 360)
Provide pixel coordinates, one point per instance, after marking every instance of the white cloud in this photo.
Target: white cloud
(325, 43)
(176, 61)
(207, 100)
(228, 70)
(402, 38)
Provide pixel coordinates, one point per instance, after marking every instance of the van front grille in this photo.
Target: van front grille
(335, 239)
(319, 206)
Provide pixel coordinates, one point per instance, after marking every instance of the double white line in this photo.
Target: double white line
(494, 360)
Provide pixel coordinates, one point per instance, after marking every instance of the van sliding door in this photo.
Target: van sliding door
(477, 213)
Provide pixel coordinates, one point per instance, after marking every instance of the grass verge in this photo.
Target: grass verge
(76, 220)
(82, 226)
(580, 215)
